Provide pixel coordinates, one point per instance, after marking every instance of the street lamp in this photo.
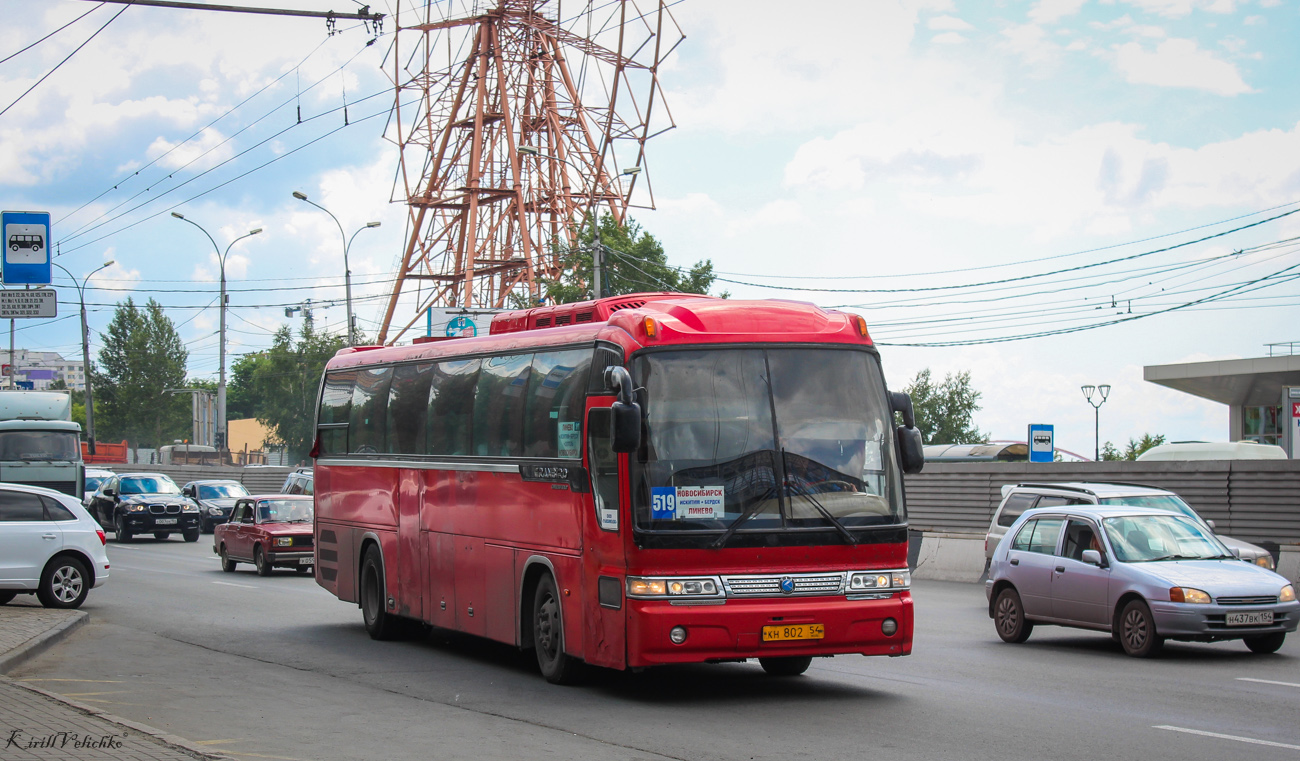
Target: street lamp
(221, 382)
(85, 351)
(347, 270)
(598, 253)
(1088, 391)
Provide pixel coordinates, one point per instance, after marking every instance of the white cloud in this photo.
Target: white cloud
(948, 38)
(210, 149)
(948, 24)
(1051, 11)
(1179, 63)
(1181, 8)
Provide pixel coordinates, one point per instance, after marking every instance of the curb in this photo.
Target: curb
(166, 738)
(42, 642)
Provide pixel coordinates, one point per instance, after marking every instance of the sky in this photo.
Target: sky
(1045, 194)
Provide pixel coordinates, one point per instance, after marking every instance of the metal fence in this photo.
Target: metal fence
(1254, 500)
(258, 480)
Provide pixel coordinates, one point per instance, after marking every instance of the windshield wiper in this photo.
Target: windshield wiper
(848, 535)
(1181, 557)
(746, 514)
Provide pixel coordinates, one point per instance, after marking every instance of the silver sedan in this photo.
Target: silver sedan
(1143, 575)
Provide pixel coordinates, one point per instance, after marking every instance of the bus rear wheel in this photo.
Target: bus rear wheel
(785, 666)
(548, 636)
(380, 624)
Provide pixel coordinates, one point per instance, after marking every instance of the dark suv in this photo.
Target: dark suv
(216, 498)
(144, 503)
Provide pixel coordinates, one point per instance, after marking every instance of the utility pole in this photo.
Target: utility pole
(85, 352)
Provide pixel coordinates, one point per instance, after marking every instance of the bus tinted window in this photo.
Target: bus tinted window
(556, 402)
(335, 408)
(369, 411)
(606, 356)
(451, 407)
(408, 399)
(499, 405)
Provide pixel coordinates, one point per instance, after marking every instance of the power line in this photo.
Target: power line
(7, 58)
(60, 63)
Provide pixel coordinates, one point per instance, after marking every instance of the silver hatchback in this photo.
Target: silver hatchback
(1143, 575)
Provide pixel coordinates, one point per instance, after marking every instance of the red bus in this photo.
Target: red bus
(634, 481)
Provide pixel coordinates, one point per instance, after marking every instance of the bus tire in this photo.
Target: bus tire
(380, 624)
(548, 635)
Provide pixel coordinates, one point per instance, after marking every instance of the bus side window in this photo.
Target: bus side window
(407, 399)
(604, 468)
(369, 411)
(451, 406)
(499, 405)
(556, 398)
(335, 408)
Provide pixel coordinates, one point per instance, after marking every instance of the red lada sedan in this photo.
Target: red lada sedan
(269, 531)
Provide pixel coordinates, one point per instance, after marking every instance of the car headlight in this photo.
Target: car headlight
(1187, 594)
(283, 541)
(214, 511)
(864, 580)
(189, 508)
(1287, 594)
(1265, 560)
(136, 508)
(639, 586)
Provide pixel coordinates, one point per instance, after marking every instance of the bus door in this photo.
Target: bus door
(604, 559)
(412, 558)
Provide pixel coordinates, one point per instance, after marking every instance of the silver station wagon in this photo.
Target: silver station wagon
(1144, 575)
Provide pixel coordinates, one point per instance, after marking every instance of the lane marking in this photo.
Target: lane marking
(125, 547)
(259, 755)
(214, 742)
(1266, 681)
(85, 694)
(1250, 740)
(95, 681)
(229, 584)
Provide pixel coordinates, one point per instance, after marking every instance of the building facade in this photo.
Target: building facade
(41, 369)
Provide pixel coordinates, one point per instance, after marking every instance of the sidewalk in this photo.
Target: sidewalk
(35, 724)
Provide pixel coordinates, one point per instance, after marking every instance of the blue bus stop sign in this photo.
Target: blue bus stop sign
(462, 326)
(26, 237)
(1042, 443)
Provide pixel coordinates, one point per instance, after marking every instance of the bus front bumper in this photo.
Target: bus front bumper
(736, 629)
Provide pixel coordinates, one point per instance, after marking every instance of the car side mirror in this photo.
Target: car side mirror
(110, 492)
(911, 455)
(625, 414)
(1236, 551)
(1210, 524)
(1092, 557)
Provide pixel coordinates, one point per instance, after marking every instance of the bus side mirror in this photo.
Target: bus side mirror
(625, 414)
(902, 404)
(910, 454)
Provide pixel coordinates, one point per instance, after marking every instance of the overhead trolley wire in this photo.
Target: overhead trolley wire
(65, 60)
(17, 53)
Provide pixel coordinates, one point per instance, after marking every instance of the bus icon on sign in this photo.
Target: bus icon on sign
(34, 242)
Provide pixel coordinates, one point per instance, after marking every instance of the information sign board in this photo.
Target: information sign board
(26, 239)
(26, 303)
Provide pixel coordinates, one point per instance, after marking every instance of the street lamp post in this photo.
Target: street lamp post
(1088, 391)
(221, 382)
(85, 351)
(347, 270)
(597, 253)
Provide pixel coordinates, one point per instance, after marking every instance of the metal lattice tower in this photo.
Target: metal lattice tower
(516, 120)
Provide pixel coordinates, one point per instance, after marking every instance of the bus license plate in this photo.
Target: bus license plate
(793, 631)
(166, 521)
(1261, 618)
(306, 561)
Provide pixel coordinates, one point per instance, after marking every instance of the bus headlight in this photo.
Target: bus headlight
(865, 580)
(640, 586)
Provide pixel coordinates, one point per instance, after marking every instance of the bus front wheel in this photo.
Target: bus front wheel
(548, 636)
(380, 624)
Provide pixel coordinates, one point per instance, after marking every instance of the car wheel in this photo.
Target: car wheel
(64, 584)
(160, 535)
(190, 534)
(380, 624)
(785, 666)
(1266, 643)
(1137, 630)
(260, 562)
(1009, 617)
(6, 596)
(119, 528)
(227, 564)
(548, 636)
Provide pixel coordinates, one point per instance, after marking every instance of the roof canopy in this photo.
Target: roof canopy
(1248, 382)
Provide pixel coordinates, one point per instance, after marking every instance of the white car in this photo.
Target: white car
(49, 546)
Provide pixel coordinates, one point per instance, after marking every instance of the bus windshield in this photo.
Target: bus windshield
(766, 440)
(39, 446)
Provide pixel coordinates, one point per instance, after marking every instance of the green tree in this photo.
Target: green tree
(142, 356)
(285, 379)
(241, 401)
(634, 262)
(1134, 448)
(945, 411)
